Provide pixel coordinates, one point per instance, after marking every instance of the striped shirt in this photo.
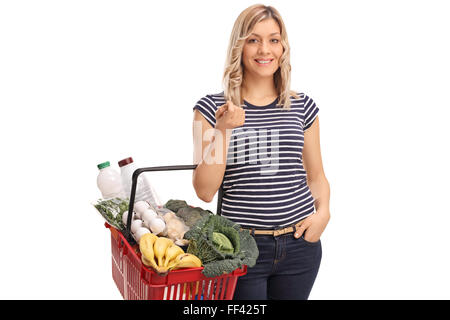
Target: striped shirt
(265, 183)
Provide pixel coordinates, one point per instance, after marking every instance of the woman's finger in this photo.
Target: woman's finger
(221, 110)
(300, 230)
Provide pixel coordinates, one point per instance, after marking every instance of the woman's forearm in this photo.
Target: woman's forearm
(208, 175)
(320, 190)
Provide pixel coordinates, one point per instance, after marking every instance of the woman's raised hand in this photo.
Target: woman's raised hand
(229, 116)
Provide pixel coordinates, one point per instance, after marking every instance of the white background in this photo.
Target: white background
(82, 82)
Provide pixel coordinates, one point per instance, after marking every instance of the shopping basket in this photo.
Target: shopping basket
(137, 282)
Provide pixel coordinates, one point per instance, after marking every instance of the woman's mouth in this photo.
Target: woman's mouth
(263, 62)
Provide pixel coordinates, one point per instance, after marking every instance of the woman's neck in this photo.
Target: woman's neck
(258, 90)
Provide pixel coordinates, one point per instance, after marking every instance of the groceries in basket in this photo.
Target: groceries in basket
(220, 244)
(181, 251)
(209, 240)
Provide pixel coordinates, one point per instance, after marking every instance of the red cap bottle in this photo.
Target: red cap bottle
(125, 161)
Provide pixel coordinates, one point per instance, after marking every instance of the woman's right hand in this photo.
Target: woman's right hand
(229, 116)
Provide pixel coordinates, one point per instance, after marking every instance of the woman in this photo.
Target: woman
(261, 140)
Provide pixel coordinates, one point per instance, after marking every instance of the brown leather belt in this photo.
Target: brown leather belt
(277, 232)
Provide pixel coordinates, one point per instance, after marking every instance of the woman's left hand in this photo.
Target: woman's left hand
(313, 226)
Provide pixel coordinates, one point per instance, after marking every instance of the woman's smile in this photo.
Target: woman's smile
(263, 62)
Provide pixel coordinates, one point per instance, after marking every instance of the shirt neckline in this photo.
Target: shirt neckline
(248, 104)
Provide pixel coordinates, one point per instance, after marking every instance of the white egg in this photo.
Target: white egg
(139, 233)
(157, 225)
(125, 217)
(135, 225)
(140, 206)
(148, 215)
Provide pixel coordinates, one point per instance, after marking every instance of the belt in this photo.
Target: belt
(275, 233)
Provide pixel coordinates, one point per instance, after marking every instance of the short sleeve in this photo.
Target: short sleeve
(207, 107)
(310, 110)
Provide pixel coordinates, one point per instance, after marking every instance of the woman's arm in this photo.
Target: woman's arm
(211, 163)
(211, 148)
(318, 184)
(312, 162)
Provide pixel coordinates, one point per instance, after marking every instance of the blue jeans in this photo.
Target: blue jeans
(286, 269)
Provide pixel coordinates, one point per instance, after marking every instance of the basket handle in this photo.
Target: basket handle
(135, 176)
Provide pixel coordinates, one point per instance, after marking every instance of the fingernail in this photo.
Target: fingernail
(296, 235)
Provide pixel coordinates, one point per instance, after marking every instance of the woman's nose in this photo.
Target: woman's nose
(263, 47)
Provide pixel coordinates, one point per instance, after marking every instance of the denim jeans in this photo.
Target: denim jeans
(286, 269)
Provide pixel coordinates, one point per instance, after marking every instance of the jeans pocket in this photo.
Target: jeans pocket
(309, 242)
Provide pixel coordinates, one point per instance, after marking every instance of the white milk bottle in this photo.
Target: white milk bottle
(109, 182)
(144, 190)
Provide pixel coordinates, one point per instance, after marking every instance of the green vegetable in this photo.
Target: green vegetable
(222, 242)
(175, 205)
(208, 243)
(112, 211)
(188, 214)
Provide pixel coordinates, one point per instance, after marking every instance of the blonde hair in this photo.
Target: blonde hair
(233, 74)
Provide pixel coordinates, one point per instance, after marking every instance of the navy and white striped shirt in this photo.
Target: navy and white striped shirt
(265, 182)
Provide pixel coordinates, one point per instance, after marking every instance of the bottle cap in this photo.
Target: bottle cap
(103, 165)
(125, 161)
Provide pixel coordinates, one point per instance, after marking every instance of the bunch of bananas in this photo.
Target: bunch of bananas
(163, 255)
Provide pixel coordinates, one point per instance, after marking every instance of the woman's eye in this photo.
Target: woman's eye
(256, 40)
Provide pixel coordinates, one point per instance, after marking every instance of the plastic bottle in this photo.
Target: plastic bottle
(109, 182)
(144, 190)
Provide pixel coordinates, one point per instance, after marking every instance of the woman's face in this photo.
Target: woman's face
(262, 50)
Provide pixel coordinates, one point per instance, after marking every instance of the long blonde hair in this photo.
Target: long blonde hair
(234, 72)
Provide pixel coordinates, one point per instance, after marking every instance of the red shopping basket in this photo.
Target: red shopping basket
(137, 282)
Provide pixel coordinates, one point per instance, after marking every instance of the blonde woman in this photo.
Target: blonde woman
(261, 140)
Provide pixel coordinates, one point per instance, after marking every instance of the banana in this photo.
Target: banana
(160, 247)
(159, 270)
(146, 247)
(171, 253)
(185, 260)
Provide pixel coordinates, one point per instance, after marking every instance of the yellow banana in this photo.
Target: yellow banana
(146, 247)
(160, 247)
(171, 253)
(159, 270)
(186, 260)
